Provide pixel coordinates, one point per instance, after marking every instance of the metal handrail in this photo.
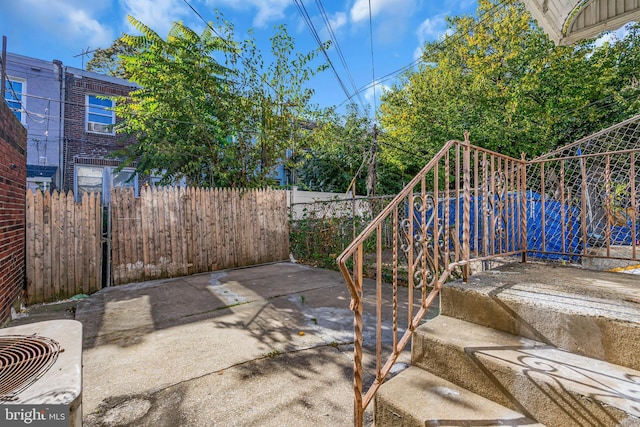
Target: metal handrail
(432, 246)
(469, 205)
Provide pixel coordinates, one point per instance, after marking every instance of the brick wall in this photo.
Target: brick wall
(80, 144)
(13, 175)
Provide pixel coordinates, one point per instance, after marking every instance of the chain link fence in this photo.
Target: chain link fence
(583, 198)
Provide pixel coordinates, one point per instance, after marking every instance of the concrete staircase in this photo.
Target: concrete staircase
(527, 344)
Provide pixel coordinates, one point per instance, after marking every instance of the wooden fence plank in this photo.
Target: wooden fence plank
(46, 245)
(70, 243)
(38, 230)
(181, 204)
(198, 246)
(210, 236)
(82, 284)
(129, 223)
(115, 239)
(55, 244)
(162, 232)
(144, 237)
(188, 212)
(78, 274)
(96, 218)
(213, 218)
(29, 243)
(139, 242)
(159, 233)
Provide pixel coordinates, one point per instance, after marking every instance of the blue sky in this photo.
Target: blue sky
(62, 29)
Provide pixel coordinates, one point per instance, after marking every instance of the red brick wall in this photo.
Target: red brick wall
(78, 142)
(13, 176)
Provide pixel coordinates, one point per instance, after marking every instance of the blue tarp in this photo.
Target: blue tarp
(553, 226)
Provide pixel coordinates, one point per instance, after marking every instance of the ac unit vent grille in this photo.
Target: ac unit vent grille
(23, 360)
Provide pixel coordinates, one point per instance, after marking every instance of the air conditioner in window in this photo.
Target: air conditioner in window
(98, 127)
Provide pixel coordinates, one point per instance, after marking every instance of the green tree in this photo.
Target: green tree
(340, 151)
(498, 76)
(207, 109)
(108, 60)
(179, 113)
(274, 107)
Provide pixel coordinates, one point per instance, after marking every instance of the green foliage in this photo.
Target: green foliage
(108, 61)
(207, 108)
(500, 77)
(338, 150)
(275, 109)
(326, 229)
(338, 145)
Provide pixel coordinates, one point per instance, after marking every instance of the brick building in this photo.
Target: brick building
(89, 137)
(13, 148)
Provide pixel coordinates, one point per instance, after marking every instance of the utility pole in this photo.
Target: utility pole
(371, 172)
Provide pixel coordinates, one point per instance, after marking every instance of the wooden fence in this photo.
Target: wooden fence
(169, 232)
(63, 246)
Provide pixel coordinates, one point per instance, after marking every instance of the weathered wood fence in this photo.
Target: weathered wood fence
(169, 232)
(166, 232)
(63, 245)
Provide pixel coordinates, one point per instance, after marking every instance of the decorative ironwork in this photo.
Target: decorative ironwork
(469, 205)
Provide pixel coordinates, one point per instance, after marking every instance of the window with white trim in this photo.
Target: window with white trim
(100, 117)
(14, 96)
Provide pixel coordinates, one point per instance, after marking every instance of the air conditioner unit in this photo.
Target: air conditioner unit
(41, 373)
(98, 127)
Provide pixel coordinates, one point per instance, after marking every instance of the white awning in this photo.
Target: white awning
(567, 21)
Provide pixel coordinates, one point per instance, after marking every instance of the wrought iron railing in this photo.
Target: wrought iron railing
(469, 205)
(464, 205)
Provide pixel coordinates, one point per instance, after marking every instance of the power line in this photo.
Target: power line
(18, 98)
(449, 39)
(602, 104)
(373, 69)
(334, 39)
(233, 49)
(307, 19)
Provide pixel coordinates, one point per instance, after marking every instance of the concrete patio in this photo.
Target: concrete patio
(269, 345)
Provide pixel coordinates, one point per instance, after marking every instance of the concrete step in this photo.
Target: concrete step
(552, 386)
(593, 313)
(418, 398)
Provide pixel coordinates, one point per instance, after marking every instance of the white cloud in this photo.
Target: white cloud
(84, 27)
(360, 9)
(267, 10)
(159, 15)
(417, 53)
(338, 20)
(380, 89)
(433, 28)
(71, 21)
(391, 17)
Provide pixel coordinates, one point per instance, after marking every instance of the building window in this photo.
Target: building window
(100, 117)
(38, 183)
(126, 178)
(88, 180)
(100, 179)
(14, 96)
